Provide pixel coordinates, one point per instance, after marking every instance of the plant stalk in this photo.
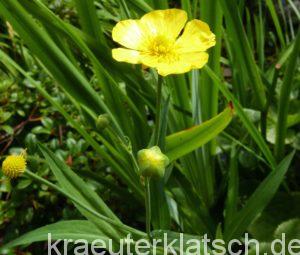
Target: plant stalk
(148, 207)
(158, 110)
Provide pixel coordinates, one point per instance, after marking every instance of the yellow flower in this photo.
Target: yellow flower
(14, 165)
(155, 41)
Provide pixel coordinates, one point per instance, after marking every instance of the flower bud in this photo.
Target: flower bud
(102, 122)
(14, 165)
(152, 162)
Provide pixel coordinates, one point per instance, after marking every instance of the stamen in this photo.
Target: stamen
(162, 48)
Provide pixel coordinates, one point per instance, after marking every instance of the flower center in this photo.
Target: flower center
(162, 48)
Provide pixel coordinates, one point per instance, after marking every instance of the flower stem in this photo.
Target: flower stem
(158, 110)
(156, 142)
(148, 207)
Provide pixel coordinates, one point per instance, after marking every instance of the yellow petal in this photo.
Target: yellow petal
(196, 37)
(185, 63)
(126, 55)
(165, 22)
(129, 33)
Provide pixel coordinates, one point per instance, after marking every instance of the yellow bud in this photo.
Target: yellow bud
(102, 122)
(152, 162)
(14, 165)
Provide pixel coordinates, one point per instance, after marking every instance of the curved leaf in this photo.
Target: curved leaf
(73, 229)
(183, 142)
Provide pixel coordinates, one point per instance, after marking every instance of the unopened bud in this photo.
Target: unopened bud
(152, 162)
(102, 122)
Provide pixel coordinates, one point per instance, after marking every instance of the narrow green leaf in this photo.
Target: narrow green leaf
(258, 201)
(141, 5)
(211, 13)
(243, 49)
(73, 229)
(71, 183)
(89, 20)
(74, 185)
(232, 187)
(160, 215)
(186, 141)
(242, 115)
(186, 5)
(275, 18)
(284, 99)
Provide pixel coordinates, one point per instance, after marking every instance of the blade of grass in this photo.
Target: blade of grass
(141, 5)
(276, 22)
(284, 99)
(89, 20)
(211, 13)
(243, 49)
(295, 9)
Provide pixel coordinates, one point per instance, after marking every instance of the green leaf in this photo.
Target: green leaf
(284, 99)
(188, 240)
(160, 215)
(141, 5)
(290, 228)
(73, 229)
(89, 20)
(73, 184)
(257, 137)
(275, 213)
(276, 21)
(184, 142)
(242, 48)
(258, 201)
(233, 186)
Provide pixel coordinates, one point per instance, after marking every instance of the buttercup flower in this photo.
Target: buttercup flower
(14, 165)
(155, 41)
(152, 162)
